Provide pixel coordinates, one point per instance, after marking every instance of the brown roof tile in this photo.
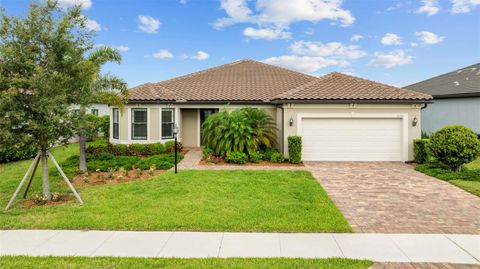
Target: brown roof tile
(338, 86)
(248, 80)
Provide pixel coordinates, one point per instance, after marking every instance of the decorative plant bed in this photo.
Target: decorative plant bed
(261, 163)
(101, 178)
(61, 198)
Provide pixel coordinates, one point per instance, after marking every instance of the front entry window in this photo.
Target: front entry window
(139, 124)
(168, 122)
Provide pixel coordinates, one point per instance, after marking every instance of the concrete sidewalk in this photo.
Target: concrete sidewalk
(438, 248)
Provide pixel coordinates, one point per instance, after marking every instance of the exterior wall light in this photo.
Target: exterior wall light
(415, 121)
(290, 122)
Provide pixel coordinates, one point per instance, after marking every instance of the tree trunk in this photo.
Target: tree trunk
(45, 180)
(83, 160)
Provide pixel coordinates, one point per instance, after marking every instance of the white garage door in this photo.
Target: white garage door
(351, 139)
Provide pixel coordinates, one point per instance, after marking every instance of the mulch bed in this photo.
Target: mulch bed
(64, 198)
(101, 178)
(261, 163)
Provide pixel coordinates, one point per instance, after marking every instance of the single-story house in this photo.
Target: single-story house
(339, 117)
(457, 99)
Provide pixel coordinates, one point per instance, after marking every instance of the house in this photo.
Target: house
(457, 99)
(96, 109)
(340, 117)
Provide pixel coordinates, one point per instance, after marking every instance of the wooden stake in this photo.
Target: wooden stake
(31, 178)
(23, 181)
(65, 178)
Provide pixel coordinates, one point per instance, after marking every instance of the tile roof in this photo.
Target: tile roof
(338, 86)
(250, 81)
(463, 81)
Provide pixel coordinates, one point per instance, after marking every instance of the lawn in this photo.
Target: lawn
(262, 201)
(468, 179)
(171, 263)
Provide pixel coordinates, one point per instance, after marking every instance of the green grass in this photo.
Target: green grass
(267, 201)
(172, 263)
(468, 179)
(470, 186)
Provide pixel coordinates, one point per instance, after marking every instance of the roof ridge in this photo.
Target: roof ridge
(299, 88)
(443, 74)
(282, 68)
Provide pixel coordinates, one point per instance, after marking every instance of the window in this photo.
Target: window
(116, 122)
(168, 121)
(95, 111)
(139, 124)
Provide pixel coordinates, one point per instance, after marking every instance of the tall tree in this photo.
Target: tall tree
(99, 88)
(42, 70)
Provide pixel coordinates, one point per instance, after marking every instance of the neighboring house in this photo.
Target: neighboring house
(96, 109)
(457, 99)
(340, 117)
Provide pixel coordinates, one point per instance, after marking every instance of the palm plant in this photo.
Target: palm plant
(100, 88)
(243, 130)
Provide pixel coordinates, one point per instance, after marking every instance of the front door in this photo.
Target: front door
(204, 114)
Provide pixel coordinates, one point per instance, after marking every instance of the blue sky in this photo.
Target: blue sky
(394, 42)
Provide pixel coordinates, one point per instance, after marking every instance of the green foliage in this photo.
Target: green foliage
(120, 149)
(244, 130)
(236, 157)
(23, 148)
(156, 148)
(421, 151)
(207, 152)
(255, 157)
(42, 72)
(170, 146)
(454, 146)
(163, 161)
(295, 149)
(277, 157)
(443, 172)
(137, 149)
(105, 126)
(268, 152)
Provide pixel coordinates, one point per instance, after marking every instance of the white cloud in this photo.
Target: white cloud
(464, 6)
(266, 33)
(305, 64)
(309, 31)
(391, 39)
(390, 59)
(281, 13)
(162, 54)
(201, 56)
(122, 48)
(183, 2)
(335, 50)
(414, 44)
(148, 24)
(430, 7)
(356, 38)
(93, 25)
(85, 4)
(429, 38)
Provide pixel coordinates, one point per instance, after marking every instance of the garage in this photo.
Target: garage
(352, 138)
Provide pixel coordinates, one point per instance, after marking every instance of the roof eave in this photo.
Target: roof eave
(349, 101)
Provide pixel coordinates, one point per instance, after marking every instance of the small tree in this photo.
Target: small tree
(98, 88)
(454, 146)
(41, 70)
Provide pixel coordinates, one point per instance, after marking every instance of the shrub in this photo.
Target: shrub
(236, 157)
(118, 149)
(137, 149)
(104, 122)
(268, 152)
(23, 148)
(421, 150)
(39, 198)
(443, 172)
(255, 157)
(295, 149)
(244, 130)
(163, 161)
(454, 146)
(277, 157)
(157, 148)
(170, 146)
(207, 152)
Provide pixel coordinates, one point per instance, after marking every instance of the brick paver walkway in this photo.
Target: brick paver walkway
(394, 198)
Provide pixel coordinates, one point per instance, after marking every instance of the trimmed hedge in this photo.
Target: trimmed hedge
(128, 150)
(454, 146)
(421, 151)
(255, 157)
(277, 157)
(295, 149)
(236, 157)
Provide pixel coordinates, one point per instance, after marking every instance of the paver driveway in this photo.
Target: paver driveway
(389, 197)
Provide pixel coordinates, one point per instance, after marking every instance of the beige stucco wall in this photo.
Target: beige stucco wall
(189, 127)
(292, 111)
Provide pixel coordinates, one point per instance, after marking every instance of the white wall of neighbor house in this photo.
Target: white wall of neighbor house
(409, 111)
(452, 111)
(102, 109)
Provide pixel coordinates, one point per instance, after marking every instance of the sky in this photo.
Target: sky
(394, 42)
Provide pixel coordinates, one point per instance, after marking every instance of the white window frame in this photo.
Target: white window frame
(172, 122)
(132, 138)
(113, 123)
